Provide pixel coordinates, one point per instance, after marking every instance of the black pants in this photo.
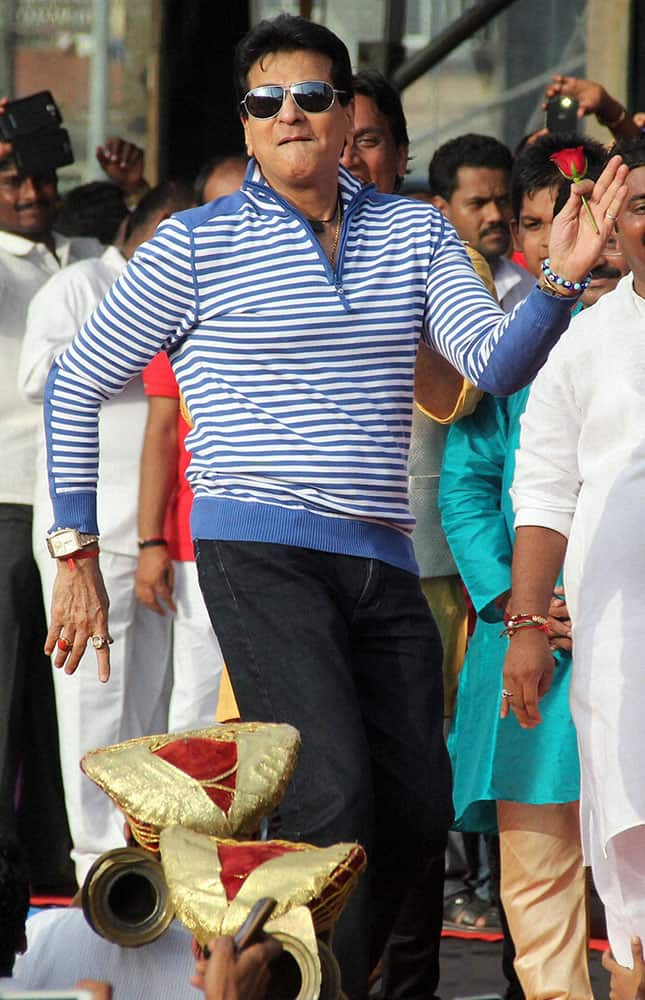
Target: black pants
(346, 650)
(31, 791)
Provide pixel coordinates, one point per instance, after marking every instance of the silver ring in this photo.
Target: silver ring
(608, 215)
(98, 641)
(506, 694)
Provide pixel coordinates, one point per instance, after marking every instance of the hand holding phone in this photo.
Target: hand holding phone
(562, 114)
(251, 929)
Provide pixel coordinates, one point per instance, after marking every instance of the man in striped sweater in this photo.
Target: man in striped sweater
(291, 312)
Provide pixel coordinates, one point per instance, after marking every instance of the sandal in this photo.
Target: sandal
(469, 914)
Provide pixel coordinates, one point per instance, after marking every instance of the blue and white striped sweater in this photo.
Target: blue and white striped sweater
(298, 379)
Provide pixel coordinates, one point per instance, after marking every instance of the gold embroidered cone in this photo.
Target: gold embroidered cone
(214, 883)
(221, 781)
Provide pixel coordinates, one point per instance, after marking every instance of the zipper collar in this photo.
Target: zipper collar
(352, 192)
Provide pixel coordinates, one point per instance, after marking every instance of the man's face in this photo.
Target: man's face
(28, 205)
(296, 150)
(533, 228)
(370, 151)
(480, 209)
(631, 227)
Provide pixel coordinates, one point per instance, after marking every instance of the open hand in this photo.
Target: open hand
(574, 247)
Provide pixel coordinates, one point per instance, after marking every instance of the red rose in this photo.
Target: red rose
(572, 163)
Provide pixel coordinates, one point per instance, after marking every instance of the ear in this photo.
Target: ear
(441, 204)
(247, 137)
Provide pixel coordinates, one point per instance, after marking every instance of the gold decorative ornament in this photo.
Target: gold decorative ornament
(222, 780)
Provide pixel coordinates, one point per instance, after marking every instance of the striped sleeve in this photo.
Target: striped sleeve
(498, 353)
(150, 306)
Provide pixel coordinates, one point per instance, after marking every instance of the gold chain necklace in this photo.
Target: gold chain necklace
(339, 219)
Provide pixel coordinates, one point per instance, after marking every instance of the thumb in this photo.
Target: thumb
(637, 951)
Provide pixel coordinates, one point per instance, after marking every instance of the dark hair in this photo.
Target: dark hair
(533, 169)
(207, 168)
(172, 195)
(286, 33)
(95, 209)
(14, 902)
(631, 150)
(371, 83)
(470, 150)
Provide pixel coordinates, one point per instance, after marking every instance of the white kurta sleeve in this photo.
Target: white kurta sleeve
(547, 477)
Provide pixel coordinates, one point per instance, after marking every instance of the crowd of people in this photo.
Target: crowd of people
(293, 417)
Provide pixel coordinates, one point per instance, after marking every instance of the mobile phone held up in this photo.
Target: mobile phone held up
(36, 113)
(32, 126)
(562, 114)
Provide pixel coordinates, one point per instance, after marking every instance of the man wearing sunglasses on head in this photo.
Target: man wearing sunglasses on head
(292, 311)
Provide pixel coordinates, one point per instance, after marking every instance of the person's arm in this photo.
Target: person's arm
(151, 305)
(593, 99)
(440, 391)
(470, 489)
(158, 478)
(538, 555)
(499, 353)
(545, 494)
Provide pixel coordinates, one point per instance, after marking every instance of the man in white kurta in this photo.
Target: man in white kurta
(137, 702)
(580, 487)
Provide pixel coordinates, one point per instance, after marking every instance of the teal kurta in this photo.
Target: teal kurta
(493, 758)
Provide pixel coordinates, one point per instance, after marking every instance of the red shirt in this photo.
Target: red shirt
(159, 380)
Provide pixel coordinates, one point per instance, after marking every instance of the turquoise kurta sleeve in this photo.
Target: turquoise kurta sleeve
(470, 488)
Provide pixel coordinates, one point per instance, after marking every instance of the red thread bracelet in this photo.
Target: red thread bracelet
(81, 554)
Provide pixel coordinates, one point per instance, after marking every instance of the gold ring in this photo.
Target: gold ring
(98, 641)
(64, 644)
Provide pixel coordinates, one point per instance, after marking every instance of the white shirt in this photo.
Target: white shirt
(24, 267)
(512, 282)
(581, 472)
(63, 949)
(57, 311)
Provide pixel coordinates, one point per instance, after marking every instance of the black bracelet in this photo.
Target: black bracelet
(149, 543)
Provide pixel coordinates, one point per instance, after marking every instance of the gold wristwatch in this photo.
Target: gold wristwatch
(66, 541)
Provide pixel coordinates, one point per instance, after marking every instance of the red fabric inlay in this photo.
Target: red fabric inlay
(239, 860)
(205, 760)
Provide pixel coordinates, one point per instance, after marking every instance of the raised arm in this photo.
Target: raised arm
(499, 353)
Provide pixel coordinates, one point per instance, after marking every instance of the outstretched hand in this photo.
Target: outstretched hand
(574, 248)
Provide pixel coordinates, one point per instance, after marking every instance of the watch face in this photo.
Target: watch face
(67, 541)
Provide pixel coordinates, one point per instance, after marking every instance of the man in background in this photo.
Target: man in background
(469, 181)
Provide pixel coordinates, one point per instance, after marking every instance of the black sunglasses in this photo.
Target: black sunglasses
(312, 96)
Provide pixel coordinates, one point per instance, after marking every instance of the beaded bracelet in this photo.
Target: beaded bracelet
(558, 283)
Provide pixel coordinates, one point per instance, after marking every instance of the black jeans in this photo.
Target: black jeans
(346, 650)
(28, 730)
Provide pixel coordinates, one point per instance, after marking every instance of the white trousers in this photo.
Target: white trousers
(619, 876)
(133, 703)
(197, 657)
